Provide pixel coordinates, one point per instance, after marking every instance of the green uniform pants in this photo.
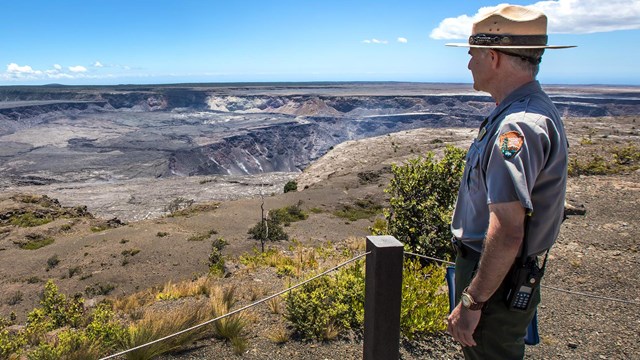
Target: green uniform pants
(500, 332)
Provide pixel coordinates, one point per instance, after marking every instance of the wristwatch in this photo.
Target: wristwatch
(469, 303)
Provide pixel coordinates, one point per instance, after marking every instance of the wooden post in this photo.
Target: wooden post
(383, 297)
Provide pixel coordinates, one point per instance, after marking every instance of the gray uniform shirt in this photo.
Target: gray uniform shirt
(520, 154)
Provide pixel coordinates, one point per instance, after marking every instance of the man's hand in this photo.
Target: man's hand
(462, 324)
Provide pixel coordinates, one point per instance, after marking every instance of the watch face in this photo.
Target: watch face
(466, 302)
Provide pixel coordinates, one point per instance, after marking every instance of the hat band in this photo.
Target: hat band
(508, 40)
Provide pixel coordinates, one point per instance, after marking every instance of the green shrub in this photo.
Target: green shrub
(11, 343)
(271, 227)
(55, 311)
(609, 161)
(99, 289)
(423, 193)
(628, 155)
(425, 305)
(337, 303)
(288, 214)
(291, 186)
(36, 241)
(104, 328)
(216, 260)
(71, 344)
(59, 309)
(99, 228)
(328, 303)
(30, 220)
(362, 209)
(52, 262)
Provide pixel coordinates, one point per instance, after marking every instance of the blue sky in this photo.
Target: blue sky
(174, 41)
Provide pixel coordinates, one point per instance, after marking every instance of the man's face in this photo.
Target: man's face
(480, 66)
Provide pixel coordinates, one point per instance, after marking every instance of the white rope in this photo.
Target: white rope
(545, 286)
(591, 295)
(430, 258)
(237, 310)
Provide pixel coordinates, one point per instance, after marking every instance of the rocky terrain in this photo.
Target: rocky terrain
(51, 152)
(99, 145)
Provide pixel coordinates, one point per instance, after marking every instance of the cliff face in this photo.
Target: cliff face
(59, 134)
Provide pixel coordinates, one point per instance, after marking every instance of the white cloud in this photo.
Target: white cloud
(375, 41)
(403, 40)
(25, 73)
(565, 17)
(17, 69)
(77, 69)
(98, 64)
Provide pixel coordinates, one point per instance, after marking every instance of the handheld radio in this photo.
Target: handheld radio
(524, 278)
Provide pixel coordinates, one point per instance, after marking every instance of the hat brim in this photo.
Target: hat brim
(512, 46)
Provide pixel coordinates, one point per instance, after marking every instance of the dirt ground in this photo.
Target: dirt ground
(596, 253)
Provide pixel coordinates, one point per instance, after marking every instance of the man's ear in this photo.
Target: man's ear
(495, 58)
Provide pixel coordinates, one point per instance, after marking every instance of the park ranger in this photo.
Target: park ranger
(511, 197)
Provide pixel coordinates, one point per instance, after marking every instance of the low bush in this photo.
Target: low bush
(216, 260)
(15, 298)
(425, 305)
(269, 230)
(322, 309)
(35, 242)
(328, 303)
(422, 193)
(361, 209)
(288, 214)
(99, 289)
(606, 161)
(52, 262)
(30, 220)
(291, 186)
(11, 343)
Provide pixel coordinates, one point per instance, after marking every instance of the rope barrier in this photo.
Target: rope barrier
(591, 295)
(238, 310)
(544, 286)
(430, 258)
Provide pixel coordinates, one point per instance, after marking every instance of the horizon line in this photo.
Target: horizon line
(292, 83)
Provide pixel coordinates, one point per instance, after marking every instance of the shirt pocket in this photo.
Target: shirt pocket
(473, 175)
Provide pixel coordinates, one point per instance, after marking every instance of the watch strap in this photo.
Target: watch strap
(473, 305)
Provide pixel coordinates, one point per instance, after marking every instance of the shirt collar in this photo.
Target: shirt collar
(519, 93)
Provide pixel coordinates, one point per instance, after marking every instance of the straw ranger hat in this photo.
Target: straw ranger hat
(511, 27)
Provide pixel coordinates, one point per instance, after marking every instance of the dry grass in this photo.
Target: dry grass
(133, 304)
(183, 289)
(157, 324)
(230, 328)
(279, 335)
(275, 305)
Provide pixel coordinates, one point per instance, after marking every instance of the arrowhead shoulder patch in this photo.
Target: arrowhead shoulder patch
(510, 143)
